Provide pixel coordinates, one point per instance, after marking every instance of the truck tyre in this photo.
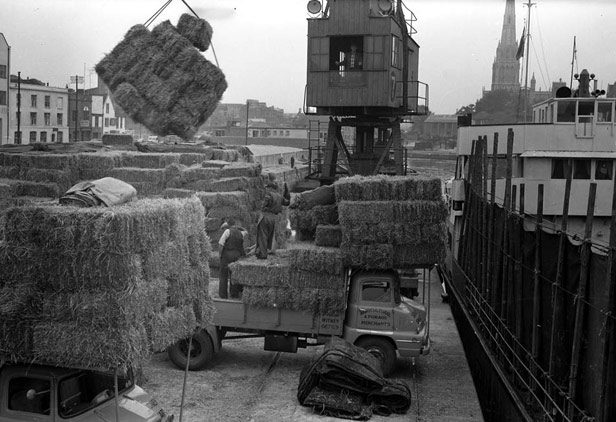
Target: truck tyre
(382, 349)
(201, 354)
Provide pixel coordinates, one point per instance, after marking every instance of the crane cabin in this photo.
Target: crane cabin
(362, 72)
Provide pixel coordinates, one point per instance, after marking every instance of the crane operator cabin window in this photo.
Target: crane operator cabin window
(346, 54)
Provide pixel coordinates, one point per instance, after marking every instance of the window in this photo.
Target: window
(106, 121)
(604, 112)
(32, 137)
(59, 119)
(43, 136)
(107, 108)
(18, 395)
(2, 71)
(33, 119)
(17, 138)
(112, 122)
(73, 115)
(2, 97)
(60, 136)
(395, 52)
(566, 111)
(319, 53)
(86, 114)
(60, 103)
(47, 117)
(346, 53)
(586, 108)
(581, 169)
(219, 132)
(47, 101)
(558, 168)
(287, 133)
(603, 170)
(33, 100)
(376, 291)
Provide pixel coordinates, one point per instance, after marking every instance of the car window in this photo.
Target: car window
(31, 395)
(85, 390)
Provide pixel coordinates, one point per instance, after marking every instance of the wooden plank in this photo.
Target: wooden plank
(535, 343)
(492, 222)
(580, 315)
(557, 297)
(606, 406)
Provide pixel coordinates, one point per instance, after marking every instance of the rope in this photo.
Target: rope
(157, 13)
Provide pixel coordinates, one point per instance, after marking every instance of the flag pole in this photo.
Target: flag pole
(572, 61)
(529, 4)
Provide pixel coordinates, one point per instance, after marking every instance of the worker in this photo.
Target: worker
(272, 206)
(231, 249)
(353, 59)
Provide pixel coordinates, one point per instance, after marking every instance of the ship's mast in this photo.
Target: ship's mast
(529, 4)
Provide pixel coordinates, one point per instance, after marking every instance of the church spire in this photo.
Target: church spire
(506, 68)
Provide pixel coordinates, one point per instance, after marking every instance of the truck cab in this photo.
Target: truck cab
(381, 320)
(30, 392)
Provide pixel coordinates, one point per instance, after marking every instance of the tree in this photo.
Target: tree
(498, 106)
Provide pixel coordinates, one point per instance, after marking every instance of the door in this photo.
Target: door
(374, 310)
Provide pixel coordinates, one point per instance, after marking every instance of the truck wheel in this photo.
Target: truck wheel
(201, 353)
(382, 350)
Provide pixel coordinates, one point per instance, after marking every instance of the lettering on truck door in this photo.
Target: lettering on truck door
(375, 311)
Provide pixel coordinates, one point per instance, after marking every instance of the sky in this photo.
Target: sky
(261, 45)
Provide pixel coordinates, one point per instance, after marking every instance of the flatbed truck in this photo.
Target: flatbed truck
(376, 317)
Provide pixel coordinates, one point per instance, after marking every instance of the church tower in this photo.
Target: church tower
(506, 68)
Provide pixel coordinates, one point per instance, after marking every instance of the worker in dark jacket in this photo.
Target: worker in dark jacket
(272, 206)
(231, 249)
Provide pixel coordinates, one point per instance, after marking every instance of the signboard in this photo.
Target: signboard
(78, 79)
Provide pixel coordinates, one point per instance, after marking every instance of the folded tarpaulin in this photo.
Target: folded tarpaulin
(107, 191)
(346, 381)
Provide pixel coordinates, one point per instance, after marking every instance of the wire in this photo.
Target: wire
(157, 13)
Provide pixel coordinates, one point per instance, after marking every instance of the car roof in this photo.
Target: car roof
(36, 369)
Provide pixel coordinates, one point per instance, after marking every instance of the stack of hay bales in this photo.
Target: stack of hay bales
(303, 277)
(102, 287)
(391, 221)
(161, 80)
(314, 216)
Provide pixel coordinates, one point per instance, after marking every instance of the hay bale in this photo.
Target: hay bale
(37, 189)
(177, 193)
(328, 235)
(197, 31)
(9, 172)
(153, 160)
(62, 178)
(253, 272)
(198, 173)
(137, 174)
(92, 166)
(160, 80)
(114, 139)
(72, 344)
(388, 188)
(401, 212)
(373, 256)
(323, 195)
(165, 327)
(306, 256)
(240, 169)
(190, 158)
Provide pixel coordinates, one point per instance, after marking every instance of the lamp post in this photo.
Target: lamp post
(246, 143)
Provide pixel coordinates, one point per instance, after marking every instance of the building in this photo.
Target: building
(104, 116)
(41, 114)
(5, 58)
(506, 66)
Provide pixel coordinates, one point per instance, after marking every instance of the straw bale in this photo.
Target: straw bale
(231, 199)
(214, 163)
(72, 344)
(148, 160)
(388, 188)
(271, 272)
(191, 158)
(136, 174)
(16, 339)
(351, 213)
(225, 154)
(171, 325)
(197, 31)
(166, 55)
(198, 173)
(190, 286)
(115, 139)
(313, 280)
(38, 189)
(427, 212)
(9, 172)
(316, 301)
(323, 195)
(60, 177)
(106, 307)
(48, 161)
(427, 253)
(177, 193)
(241, 169)
(332, 302)
(309, 257)
(199, 248)
(328, 235)
(373, 256)
(92, 166)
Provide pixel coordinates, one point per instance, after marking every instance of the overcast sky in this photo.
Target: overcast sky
(261, 44)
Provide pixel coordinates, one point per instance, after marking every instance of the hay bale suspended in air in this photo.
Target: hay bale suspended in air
(161, 81)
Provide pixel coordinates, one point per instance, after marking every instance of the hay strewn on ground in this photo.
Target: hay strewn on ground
(100, 287)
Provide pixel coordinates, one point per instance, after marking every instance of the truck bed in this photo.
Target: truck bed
(234, 314)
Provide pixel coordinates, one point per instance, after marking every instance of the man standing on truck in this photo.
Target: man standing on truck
(272, 206)
(231, 249)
